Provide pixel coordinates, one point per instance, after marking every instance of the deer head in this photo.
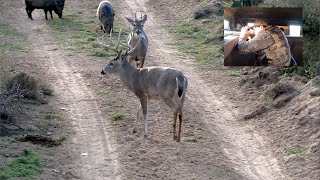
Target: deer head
(121, 58)
(137, 24)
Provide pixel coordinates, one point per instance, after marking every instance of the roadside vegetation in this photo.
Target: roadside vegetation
(11, 95)
(26, 166)
(23, 94)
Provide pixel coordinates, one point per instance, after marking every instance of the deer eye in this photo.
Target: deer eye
(142, 25)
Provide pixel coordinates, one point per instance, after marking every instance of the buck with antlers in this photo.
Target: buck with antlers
(138, 38)
(168, 84)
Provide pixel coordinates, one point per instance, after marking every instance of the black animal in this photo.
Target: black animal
(105, 14)
(47, 5)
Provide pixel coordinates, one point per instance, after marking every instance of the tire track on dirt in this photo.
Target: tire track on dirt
(91, 145)
(247, 150)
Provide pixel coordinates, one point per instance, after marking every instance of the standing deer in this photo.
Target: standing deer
(168, 84)
(138, 38)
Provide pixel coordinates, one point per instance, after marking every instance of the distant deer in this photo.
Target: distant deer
(168, 84)
(137, 34)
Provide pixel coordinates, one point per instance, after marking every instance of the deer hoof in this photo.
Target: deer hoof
(145, 136)
(175, 137)
(134, 131)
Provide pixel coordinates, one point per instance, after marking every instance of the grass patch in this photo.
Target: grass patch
(59, 139)
(16, 47)
(293, 150)
(52, 116)
(116, 116)
(196, 39)
(274, 91)
(6, 30)
(26, 166)
(78, 34)
(7, 33)
(234, 73)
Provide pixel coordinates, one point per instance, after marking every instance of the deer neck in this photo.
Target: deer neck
(126, 74)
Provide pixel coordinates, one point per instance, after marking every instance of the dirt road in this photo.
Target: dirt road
(215, 144)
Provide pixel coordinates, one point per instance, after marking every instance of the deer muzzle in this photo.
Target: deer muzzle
(138, 31)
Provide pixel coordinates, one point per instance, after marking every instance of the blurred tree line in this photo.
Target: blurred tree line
(311, 30)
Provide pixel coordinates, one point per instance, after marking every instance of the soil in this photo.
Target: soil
(216, 142)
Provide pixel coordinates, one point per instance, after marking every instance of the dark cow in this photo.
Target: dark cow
(46, 5)
(105, 14)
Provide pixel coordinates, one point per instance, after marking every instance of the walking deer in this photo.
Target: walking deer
(164, 83)
(138, 38)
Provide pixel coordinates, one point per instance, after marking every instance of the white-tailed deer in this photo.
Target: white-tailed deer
(168, 84)
(138, 38)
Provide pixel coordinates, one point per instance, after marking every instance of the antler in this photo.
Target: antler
(135, 15)
(133, 49)
(109, 47)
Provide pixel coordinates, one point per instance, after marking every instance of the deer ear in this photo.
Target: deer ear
(130, 20)
(144, 19)
(124, 59)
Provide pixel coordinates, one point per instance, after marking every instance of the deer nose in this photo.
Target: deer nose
(102, 72)
(138, 31)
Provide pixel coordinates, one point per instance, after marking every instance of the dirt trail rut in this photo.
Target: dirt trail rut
(95, 155)
(247, 150)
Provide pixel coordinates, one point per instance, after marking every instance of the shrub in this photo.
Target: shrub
(28, 86)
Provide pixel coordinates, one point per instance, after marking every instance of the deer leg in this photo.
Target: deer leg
(134, 130)
(180, 122)
(137, 62)
(175, 115)
(142, 62)
(144, 107)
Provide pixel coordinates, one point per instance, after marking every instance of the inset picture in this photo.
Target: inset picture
(263, 36)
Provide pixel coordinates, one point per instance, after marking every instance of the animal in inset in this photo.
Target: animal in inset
(47, 5)
(138, 38)
(168, 84)
(106, 15)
